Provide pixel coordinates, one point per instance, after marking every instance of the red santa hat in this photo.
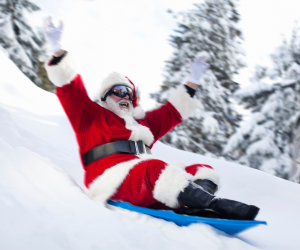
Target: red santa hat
(116, 78)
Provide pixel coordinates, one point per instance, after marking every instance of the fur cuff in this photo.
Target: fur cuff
(182, 101)
(107, 184)
(170, 183)
(208, 174)
(62, 73)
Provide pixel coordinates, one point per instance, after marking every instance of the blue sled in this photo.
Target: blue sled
(228, 226)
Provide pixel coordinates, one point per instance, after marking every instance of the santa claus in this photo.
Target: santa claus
(115, 137)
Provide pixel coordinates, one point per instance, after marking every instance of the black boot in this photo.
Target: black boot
(211, 188)
(193, 196)
(207, 185)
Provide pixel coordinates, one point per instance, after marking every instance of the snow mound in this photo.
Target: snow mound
(43, 202)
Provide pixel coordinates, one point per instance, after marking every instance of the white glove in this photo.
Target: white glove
(53, 34)
(198, 66)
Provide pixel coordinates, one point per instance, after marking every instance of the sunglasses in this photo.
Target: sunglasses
(120, 91)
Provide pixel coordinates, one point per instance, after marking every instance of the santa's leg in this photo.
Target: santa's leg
(138, 187)
(155, 181)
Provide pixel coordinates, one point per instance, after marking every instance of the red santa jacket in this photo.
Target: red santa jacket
(95, 125)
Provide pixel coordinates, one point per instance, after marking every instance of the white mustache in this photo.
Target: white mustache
(125, 101)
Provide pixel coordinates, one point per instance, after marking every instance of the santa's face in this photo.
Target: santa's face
(124, 102)
(119, 105)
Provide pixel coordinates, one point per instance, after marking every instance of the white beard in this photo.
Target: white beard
(114, 106)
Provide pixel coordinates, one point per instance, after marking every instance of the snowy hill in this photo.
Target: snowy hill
(43, 202)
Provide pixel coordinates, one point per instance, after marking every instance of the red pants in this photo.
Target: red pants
(138, 188)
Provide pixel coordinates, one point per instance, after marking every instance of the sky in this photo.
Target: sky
(131, 37)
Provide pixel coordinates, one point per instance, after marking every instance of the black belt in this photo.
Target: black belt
(118, 147)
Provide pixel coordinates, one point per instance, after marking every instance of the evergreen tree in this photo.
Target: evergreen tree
(210, 29)
(267, 141)
(22, 44)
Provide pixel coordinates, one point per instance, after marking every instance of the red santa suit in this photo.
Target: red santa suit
(143, 180)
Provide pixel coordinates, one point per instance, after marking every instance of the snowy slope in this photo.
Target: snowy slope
(43, 202)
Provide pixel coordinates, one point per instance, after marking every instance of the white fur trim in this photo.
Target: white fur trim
(171, 182)
(62, 73)
(139, 132)
(107, 184)
(138, 113)
(208, 174)
(111, 80)
(183, 102)
(181, 165)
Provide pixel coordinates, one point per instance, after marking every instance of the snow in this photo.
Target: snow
(43, 204)
(258, 132)
(205, 25)
(252, 90)
(246, 129)
(295, 68)
(264, 146)
(210, 124)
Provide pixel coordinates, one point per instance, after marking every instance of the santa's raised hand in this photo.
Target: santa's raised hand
(198, 67)
(53, 34)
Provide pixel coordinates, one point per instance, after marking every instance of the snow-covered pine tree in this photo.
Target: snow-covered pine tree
(269, 139)
(209, 29)
(23, 45)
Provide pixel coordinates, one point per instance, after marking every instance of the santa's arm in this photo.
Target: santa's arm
(63, 74)
(180, 105)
